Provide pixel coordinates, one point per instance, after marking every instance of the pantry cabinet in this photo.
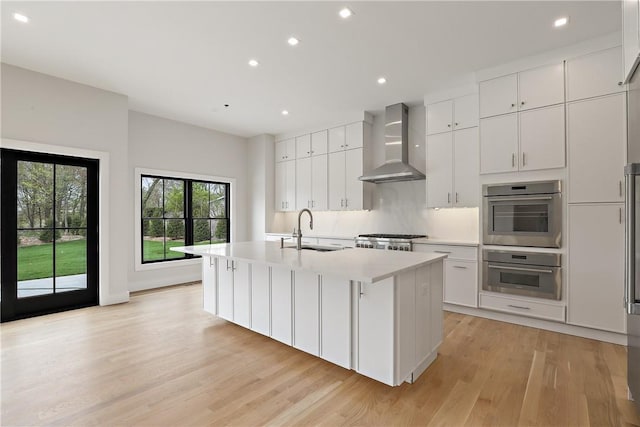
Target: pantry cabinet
(453, 114)
(596, 74)
(311, 182)
(534, 88)
(597, 145)
(346, 191)
(596, 266)
(286, 150)
(285, 188)
(499, 144)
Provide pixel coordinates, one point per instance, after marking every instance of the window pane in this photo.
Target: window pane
(35, 263)
(218, 231)
(152, 240)
(175, 237)
(200, 200)
(35, 194)
(173, 198)
(201, 232)
(151, 197)
(217, 206)
(71, 260)
(71, 196)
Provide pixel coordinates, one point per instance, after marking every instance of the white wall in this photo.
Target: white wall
(261, 171)
(60, 113)
(158, 143)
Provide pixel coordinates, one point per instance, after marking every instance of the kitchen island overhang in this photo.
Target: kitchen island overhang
(377, 312)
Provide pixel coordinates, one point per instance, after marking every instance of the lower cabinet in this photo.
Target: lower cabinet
(242, 293)
(225, 289)
(531, 307)
(306, 312)
(281, 305)
(261, 299)
(596, 266)
(335, 320)
(209, 297)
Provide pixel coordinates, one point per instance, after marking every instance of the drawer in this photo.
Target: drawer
(524, 307)
(461, 282)
(457, 252)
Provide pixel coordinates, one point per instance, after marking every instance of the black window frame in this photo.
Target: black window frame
(188, 218)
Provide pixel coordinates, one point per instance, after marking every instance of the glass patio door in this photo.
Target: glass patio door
(49, 233)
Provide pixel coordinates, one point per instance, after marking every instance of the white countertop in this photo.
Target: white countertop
(364, 265)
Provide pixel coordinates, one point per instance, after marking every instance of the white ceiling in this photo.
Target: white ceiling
(184, 60)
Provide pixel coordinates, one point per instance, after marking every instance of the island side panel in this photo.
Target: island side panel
(436, 281)
(425, 352)
(209, 285)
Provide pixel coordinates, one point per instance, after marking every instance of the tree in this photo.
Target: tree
(220, 233)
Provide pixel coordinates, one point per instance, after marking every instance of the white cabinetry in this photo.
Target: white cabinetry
(596, 270)
(460, 272)
(311, 145)
(530, 307)
(530, 140)
(346, 137)
(260, 298)
(209, 285)
(311, 182)
(303, 146)
(453, 114)
(597, 145)
(537, 87)
(630, 34)
(346, 191)
(595, 74)
(306, 312)
(286, 150)
(285, 176)
(453, 169)
(335, 317)
(281, 305)
(225, 289)
(234, 293)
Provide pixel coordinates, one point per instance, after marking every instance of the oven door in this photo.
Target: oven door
(533, 220)
(522, 279)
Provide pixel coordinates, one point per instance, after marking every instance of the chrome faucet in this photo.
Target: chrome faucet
(299, 235)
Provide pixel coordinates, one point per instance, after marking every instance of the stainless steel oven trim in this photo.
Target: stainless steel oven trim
(555, 272)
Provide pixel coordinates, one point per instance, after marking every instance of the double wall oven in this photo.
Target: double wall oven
(523, 215)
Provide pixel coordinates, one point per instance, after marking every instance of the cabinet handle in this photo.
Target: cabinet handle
(342, 146)
(524, 160)
(448, 197)
(442, 252)
(308, 152)
(460, 267)
(227, 265)
(346, 203)
(312, 151)
(513, 160)
(341, 203)
(360, 291)
(620, 188)
(456, 123)
(620, 215)
(522, 103)
(519, 306)
(449, 125)
(513, 105)
(457, 198)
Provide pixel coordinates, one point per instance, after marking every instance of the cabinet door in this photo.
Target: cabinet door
(499, 95)
(319, 141)
(439, 170)
(461, 282)
(466, 168)
(290, 148)
(542, 138)
(465, 112)
(209, 284)
(630, 33)
(260, 298)
(597, 142)
(596, 266)
(354, 136)
(541, 86)
(290, 200)
(225, 289)
(440, 117)
(281, 185)
(242, 293)
(499, 144)
(306, 312)
(336, 139)
(594, 74)
(353, 186)
(376, 330)
(303, 183)
(281, 310)
(335, 329)
(303, 146)
(281, 151)
(319, 182)
(336, 180)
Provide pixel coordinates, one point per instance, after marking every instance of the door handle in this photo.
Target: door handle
(342, 203)
(528, 270)
(521, 307)
(513, 160)
(448, 197)
(524, 159)
(457, 198)
(346, 203)
(360, 291)
(620, 215)
(620, 188)
(442, 252)
(460, 267)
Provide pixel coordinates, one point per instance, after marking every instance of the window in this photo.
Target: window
(180, 212)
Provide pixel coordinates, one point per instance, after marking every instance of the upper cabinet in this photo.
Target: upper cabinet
(595, 74)
(537, 87)
(311, 144)
(630, 35)
(453, 114)
(346, 137)
(303, 146)
(286, 150)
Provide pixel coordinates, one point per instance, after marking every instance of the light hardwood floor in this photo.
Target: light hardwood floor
(160, 360)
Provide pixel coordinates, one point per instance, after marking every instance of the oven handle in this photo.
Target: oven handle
(530, 270)
(517, 199)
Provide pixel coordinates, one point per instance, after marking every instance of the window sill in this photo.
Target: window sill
(168, 264)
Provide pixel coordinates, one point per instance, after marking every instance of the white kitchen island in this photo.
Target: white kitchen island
(377, 312)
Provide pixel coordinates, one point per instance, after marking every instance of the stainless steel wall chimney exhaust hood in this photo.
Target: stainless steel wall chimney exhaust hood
(396, 144)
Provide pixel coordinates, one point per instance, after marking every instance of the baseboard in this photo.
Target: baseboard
(145, 285)
(115, 299)
(563, 328)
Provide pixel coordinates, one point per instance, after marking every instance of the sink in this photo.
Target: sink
(319, 248)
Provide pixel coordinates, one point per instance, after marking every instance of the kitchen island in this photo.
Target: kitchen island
(377, 312)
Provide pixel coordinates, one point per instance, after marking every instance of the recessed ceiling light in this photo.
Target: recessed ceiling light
(253, 63)
(561, 22)
(345, 12)
(20, 17)
(381, 80)
(285, 113)
(293, 41)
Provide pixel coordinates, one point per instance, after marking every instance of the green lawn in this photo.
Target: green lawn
(36, 261)
(154, 250)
